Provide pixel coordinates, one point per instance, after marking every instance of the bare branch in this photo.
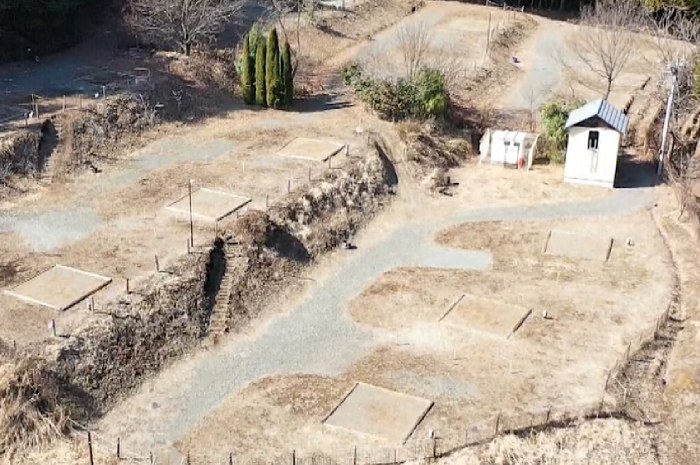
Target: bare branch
(181, 23)
(414, 44)
(606, 41)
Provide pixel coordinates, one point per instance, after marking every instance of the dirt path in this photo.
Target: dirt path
(540, 60)
(316, 336)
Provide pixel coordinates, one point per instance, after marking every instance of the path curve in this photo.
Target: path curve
(317, 336)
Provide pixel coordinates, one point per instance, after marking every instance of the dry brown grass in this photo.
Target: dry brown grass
(30, 415)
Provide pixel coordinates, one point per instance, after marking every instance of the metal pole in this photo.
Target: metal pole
(191, 222)
(667, 119)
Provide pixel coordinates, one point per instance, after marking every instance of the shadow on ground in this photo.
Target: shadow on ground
(634, 173)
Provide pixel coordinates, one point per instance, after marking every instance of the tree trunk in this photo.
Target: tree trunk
(608, 89)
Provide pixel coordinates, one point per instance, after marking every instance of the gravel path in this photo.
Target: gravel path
(316, 337)
(541, 59)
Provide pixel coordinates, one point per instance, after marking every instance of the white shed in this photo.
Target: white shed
(595, 131)
(507, 148)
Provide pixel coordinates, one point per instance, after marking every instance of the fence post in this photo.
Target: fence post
(549, 412)
(157, 264)
(294, 456)
(64, 103)
(92, 462)
(119, 447)
(354, 456)
(150, 458)
(289, 186)
(434, 446)
(498, 421)
(230, 458)
(188, 458)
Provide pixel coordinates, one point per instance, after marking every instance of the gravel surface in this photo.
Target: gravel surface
(316, 337)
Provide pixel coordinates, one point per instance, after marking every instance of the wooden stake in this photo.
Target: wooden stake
(92, 301)
(53, 328)
(289, 186)
(119, 445)
(92, 462)
(64, 103)
(230, 459)
(294, 456)
(498, 421)
(127, 286)
(267, 201)
(354, 456)
(157, 264)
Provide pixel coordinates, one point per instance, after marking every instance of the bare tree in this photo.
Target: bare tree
(180, 23)
(607, 42)
(414, 46)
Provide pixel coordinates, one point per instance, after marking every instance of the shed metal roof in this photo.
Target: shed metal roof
(602, 109)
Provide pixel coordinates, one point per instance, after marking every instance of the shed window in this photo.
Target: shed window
(593, 140)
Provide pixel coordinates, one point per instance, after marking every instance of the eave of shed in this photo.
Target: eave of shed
(599, 109)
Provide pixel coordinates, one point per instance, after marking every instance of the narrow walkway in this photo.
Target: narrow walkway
(316, 337)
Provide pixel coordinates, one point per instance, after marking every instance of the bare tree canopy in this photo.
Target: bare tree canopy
(606, 44)
(180, 23)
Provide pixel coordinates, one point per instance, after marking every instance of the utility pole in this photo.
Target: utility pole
(667, 119)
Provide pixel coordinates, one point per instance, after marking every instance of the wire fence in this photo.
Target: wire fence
(505, 6)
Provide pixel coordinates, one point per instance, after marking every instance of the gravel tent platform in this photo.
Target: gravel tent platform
(209, 204)
(379, 412)
(485, 315)
(311, 149)
(577, 245)
(60, 287)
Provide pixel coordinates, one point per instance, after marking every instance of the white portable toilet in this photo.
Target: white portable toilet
(507, 148)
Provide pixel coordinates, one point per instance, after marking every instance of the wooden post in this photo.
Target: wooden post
(80, 101)
(330, 163)
(92, 302)
(354, 456)
(549, 412)
(267, 201)
(64, 103)
(104, 92)
(92, 462)
(434, 445)
(14, 345)
(289, 186)
(188, 458)
(150, 458)
(488, 35)
(498, 421)
(157, 264)
(294, 456)
(189, 185)
(230, 459)
(395, 460)
(309, 174)
(53, 328)
(127, 286)
(188, 247)
(119, 446)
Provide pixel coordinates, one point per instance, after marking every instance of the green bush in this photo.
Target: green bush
(260, 94)
(554, 116)
(273, 80)
(287, 75)
(247, 73)
(423, 97)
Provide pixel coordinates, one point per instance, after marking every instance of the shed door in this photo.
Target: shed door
(513, 153)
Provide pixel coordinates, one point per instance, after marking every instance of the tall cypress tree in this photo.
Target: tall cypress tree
(274, 83)
(287, 75)
(247, 73)
(260, 95)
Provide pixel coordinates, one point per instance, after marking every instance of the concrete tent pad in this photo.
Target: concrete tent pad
(59, 287)
(485, 315)
(209, 204)
(311, 149)
(577, 245)
(379, 412)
